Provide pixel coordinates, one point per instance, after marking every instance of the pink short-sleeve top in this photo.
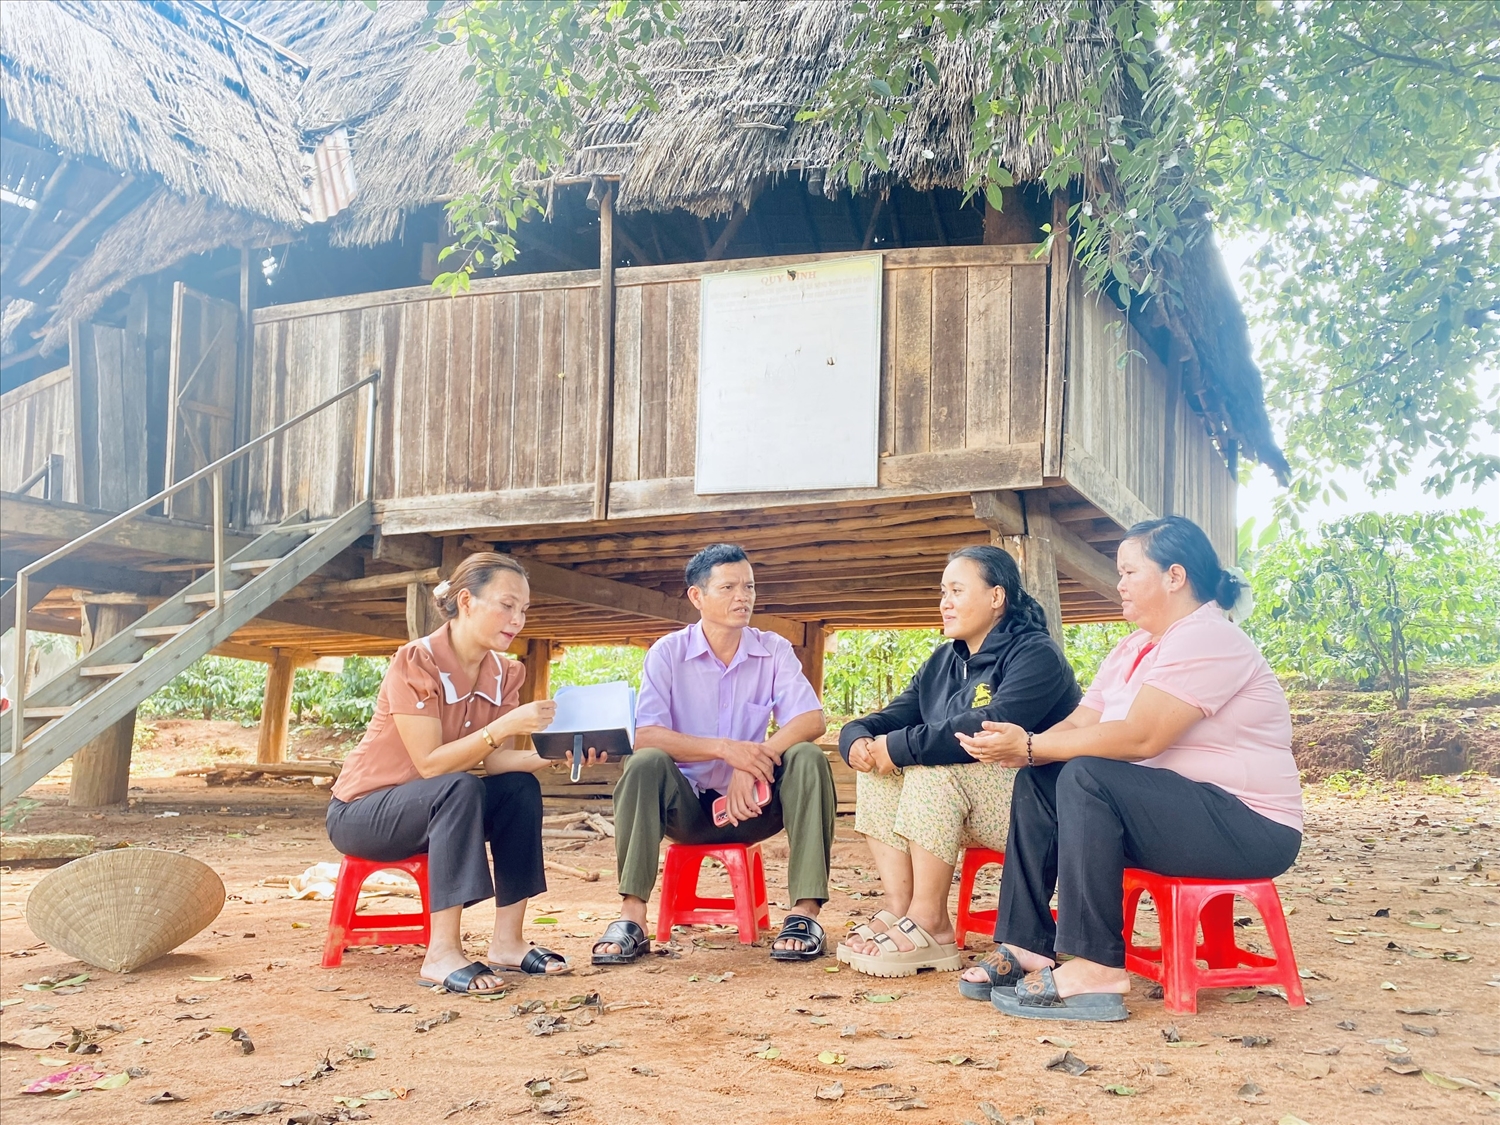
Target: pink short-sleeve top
(1243, 743)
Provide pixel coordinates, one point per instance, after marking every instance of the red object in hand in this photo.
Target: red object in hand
(721, 804)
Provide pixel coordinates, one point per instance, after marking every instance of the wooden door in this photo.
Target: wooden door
(108, 367)
(201, 395)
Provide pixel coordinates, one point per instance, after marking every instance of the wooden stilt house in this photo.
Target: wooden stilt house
(336, 435)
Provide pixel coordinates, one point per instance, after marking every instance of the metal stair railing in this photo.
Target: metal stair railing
(213, 472)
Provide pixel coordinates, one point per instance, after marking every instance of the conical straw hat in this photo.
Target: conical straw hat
(123, 908)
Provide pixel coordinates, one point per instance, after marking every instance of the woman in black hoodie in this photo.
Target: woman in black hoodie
(920, 795)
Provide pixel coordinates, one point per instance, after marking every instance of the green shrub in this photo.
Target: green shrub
(1373, 598)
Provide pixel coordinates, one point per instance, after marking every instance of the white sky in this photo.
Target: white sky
(1257, 497)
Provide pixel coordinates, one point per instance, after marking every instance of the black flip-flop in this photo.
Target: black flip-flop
(460, 980)
(1035, 998)
(1002, 975)
(535, 963)
(804, 929)
(628, 936)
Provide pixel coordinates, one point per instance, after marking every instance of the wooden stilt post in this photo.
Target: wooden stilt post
(1021, 525)
(537, 684)
(811, 655)
(422, 616)
(605, 420)
(101, 768)
(276, 709)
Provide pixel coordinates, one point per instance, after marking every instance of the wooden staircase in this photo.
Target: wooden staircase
(107, 684)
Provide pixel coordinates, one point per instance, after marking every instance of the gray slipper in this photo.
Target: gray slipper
(1036, 998)
(1003, 975)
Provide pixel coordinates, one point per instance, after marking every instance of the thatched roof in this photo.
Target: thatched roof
(729, 93)
(164, 90)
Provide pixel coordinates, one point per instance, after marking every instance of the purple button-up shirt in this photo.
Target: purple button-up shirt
(686, 688)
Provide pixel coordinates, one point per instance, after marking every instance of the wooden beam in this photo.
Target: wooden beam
(1081, 562)
(1057, 337)
(36, 590)
(396, 580)
(1001, 512)
(415, 551)
(276, 709)
(22, 518)
(75, 230)
(605, 399)
(726, 236)
(622, 597)
(330, 621)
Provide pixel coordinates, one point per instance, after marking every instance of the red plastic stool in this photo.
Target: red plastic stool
(681, 905)
(346, 928)
(969, 918)
(1181, 904)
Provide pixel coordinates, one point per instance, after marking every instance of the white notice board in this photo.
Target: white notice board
(789, 378)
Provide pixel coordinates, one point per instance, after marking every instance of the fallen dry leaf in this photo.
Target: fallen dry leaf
(830, 1093)
(163, 1098)
(428, 1024)
(1070, 1063)
(260, 1109)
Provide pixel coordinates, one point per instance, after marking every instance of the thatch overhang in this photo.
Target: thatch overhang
(134, 134)
(169, 91)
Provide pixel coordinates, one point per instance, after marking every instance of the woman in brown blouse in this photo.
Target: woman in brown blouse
(451, 703)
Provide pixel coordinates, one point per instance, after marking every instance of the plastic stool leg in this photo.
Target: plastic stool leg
(964, 916)
(1268, 902)
(1219, 948)
(737, 866)
(760, 899)
(345, 902)
(1178, 907)
(674, 875)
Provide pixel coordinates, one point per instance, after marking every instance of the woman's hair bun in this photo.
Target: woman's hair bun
(1228, 590)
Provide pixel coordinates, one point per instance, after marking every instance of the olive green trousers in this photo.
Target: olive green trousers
(654, 800)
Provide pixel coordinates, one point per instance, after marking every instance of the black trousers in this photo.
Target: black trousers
(1075, 826)
(450, 817)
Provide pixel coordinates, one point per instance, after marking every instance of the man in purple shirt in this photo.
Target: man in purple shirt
(707, 695)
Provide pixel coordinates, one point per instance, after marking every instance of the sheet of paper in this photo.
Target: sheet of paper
(595, 707)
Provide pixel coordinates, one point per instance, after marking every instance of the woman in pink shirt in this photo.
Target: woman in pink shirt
(1178, 760)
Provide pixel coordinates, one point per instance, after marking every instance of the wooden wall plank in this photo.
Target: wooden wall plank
(654, 392)
(436, 405)
(580, 368)
(682, 374)
(911, 366)
(503, 389)
(1028, 355)
(482, 435)
(36, 420)
(950, 295)
(459, 450)
(528, 378)
(549, 393)
(987, 363)
(411, 402)
(625, 456)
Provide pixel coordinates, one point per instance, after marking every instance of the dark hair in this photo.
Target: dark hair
(1178, 541)
(999, 569)
(701, 565)
(473, 575)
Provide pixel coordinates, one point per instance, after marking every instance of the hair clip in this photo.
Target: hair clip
(441, 589)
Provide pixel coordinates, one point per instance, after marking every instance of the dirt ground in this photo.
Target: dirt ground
(1394, 913)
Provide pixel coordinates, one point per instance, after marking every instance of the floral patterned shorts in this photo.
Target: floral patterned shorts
(940, 808)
